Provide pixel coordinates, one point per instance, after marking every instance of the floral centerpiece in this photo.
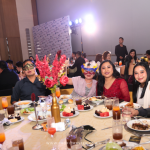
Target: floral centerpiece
(56, 76)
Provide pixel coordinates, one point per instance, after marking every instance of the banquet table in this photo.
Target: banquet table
(39, 140)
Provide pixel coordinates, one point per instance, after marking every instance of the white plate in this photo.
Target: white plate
(31, 117)
(23, 106)
(127, 144)
(98, 101)
(91, 107)
(136, 106)
(129, 124)
(66, 97)
(76, 114)
(18, 120)
(110, 115)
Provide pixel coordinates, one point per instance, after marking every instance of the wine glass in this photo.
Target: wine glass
(2, 134)
(44, 109)
(57, 92)
(51, 130)
(5, 105)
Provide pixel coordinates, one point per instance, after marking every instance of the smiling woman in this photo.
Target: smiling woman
(110, 84)
(85, 85)
(141, 84)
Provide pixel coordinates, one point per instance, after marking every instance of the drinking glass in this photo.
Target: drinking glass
(57, 92)
(126, 115)
(5, 105)
(2, 134)
(51, 130)
(18, 142)
(71, 138)
(116, 109)
(76, 145)
(120, 63)
(11, 109)
(108, 103)
(44, 109)
(117, 130)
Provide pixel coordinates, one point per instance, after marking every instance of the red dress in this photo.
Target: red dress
(118, 89)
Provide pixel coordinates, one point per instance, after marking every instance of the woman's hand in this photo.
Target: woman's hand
(133, 111)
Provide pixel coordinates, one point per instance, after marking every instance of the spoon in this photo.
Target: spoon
(139, 120)
(98, 143)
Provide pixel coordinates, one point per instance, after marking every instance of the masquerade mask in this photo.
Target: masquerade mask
(28, 67)
(89, 72)
(89, 67)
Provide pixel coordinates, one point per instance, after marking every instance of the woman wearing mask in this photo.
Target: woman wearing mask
(85, 85)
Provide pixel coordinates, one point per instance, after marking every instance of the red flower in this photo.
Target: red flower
(49, 83)
(59, 53)
(64, 80)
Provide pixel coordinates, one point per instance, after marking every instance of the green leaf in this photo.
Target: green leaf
(46, 77)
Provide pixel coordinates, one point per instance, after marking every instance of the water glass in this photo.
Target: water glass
(117, 130)
(50, 120)
(126, 115)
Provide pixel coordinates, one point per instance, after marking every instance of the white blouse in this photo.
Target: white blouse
(140, 100)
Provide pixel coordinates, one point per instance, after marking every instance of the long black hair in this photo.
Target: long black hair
(133, 50)
(136, 84)
(101, 78)
(127, 63)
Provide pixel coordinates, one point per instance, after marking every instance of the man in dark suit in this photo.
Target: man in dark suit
(121, 51)
(78, 63)
(8, 78)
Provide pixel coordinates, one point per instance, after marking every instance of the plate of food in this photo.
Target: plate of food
(69, 112)
(97, 99)
(138, 126)
(103, 113)
(27, 111)
(15, 119)
(118, 146)
(41, 116)
(129, 104)
(65, 97)
(69, 101)
(84, 107)
(23, 104)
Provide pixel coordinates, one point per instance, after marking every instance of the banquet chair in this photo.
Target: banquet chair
(66, 91)
(8, 100)
(131, 97)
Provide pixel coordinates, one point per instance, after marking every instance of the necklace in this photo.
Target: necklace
(89, 83)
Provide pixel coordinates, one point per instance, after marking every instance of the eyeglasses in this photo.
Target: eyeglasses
(28, 67)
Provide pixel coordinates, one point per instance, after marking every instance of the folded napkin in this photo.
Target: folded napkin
(60, 126)
(5, 121)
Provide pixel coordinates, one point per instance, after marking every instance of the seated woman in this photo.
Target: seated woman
(110, 84)
(99, 58)
(126, 70)
(107, 56)
(83, 55)
(132, 53)
(85, 85)
(141, 84)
